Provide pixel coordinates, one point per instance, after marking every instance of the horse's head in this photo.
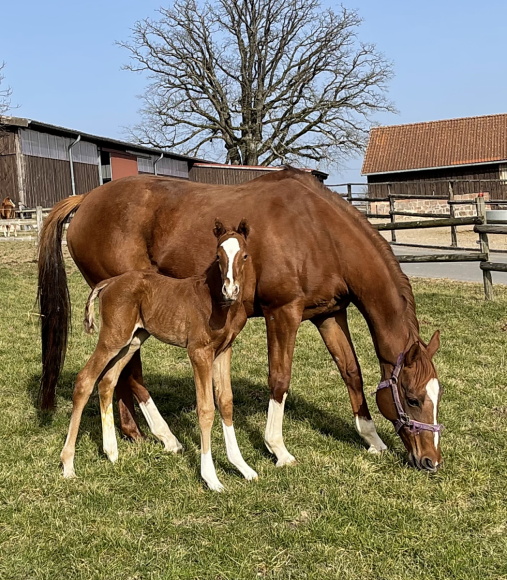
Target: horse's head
(411, 403)
(231, 258)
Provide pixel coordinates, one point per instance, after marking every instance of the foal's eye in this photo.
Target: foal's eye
(413, 402)
(245, 256)
(218, 258)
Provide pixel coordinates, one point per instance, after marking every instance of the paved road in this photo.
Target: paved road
(466, 271)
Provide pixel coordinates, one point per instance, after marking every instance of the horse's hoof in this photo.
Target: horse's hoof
(286, 460)
(69, 473)
(173, 446)
(375, 450)
(249, 474)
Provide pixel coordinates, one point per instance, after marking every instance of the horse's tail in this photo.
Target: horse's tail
(53, 298)
(89, 319)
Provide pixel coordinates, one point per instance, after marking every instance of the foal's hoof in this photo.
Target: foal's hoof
(215, 486)
(69, 473)
(249, 474)
(286, 460)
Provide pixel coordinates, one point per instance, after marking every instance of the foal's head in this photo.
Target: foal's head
(419, 396)
(231, 258)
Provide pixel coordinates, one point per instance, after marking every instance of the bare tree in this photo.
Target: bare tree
(271, 80)
(5, 94)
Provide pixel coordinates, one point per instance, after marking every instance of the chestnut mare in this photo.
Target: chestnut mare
(8, 212)
(203, 314)
(312, 255)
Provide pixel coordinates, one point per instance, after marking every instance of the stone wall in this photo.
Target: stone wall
(434, 206)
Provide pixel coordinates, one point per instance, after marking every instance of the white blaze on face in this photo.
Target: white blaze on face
(433, 389)
(231, 248)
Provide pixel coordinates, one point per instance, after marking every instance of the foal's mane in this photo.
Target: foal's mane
(400, 280)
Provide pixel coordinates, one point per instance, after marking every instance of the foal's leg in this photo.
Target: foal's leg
(336, 335)
(84, 386)
(202, 363)
(155, 421)
(223, 395)
(282, 326)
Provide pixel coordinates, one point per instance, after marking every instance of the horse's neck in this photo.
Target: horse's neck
(390, 320)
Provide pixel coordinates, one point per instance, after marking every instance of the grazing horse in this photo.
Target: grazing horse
(8, 212)
(203, 314)
(312, 255)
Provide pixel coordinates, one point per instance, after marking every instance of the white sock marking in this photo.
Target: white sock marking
(433, 389)
(366, 428)
(108, 434)
(208, 472)
(231, 248)
(273, 436)
(234, 453)
(159, 427)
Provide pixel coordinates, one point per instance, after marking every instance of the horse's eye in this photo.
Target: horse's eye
(245, 256)
(218, 258)
(413, 402)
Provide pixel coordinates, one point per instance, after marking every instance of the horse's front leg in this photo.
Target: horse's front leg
(335, 333)
(282, 325)
(202, 363)
(223, 395)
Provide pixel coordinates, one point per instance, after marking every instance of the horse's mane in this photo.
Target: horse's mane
(400, 280)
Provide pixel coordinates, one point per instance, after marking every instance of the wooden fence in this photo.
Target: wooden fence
(433, 220)
(24, 228)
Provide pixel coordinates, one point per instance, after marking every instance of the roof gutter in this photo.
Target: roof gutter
(72, 164)
(495, 161)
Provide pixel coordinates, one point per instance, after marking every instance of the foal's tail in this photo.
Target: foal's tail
(89, 320)
(53, 298)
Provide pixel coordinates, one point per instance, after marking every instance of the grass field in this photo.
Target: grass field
(338, 513)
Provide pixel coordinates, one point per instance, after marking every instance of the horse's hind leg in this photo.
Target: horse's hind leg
(84, 386)
(106, 389)
(335, 333)
(128, 417)
(223, 395)
(155, 421)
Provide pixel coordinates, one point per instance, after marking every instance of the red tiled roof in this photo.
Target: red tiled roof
(434, 144)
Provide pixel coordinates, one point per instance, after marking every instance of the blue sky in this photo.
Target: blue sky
(64, 67)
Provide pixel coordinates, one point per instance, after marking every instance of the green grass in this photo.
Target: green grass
(338, 513)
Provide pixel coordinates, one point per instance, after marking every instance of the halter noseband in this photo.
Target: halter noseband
(404, 420)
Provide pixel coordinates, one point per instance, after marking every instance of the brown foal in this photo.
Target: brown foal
(203, 314)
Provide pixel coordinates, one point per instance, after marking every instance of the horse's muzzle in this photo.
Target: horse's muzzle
(424, 464)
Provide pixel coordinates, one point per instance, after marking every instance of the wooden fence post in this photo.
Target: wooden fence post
(391, 211)
(486, 274)
(454, 233)
(38, 212)
(349, 193)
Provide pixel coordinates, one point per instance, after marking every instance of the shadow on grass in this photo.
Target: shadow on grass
(175, 398)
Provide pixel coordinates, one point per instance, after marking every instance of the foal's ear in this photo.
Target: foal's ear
(219, 229)
(243, 229)
(413, 354)
(434, 344)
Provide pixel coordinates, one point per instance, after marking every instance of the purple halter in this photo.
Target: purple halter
(404, 420)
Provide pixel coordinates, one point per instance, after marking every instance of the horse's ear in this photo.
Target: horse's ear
(413, 354)
(219, 229)
(434, 344)
(243, 229)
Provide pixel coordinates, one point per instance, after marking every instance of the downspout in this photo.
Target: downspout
(155, 163)
(72, 164)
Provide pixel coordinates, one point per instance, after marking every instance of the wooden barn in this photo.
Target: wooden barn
(220, 174)
(41, 164)
(424, 158)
